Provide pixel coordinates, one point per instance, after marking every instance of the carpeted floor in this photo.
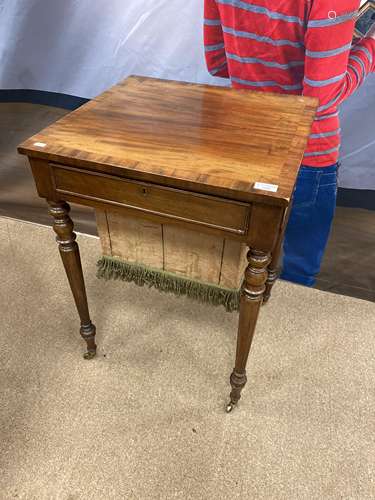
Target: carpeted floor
(145, 419)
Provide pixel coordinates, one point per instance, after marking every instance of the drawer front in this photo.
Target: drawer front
(162, 201)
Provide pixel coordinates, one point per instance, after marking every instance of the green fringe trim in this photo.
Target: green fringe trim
(111, 268)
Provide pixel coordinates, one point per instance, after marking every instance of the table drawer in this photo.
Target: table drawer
(145, 197)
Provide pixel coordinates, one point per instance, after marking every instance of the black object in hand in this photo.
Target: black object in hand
(366, 19)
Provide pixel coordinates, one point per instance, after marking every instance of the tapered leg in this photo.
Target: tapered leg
(69, 251)
(251, 299)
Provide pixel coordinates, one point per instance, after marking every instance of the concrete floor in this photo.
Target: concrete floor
(145, 419)
(348, 267)
(19, 198)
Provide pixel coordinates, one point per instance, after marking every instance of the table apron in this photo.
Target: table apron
(150, 200)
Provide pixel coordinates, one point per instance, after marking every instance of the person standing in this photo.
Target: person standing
(302, 47)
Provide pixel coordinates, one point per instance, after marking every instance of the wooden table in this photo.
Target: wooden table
(215, 159)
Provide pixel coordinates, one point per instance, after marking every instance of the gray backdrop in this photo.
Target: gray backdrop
(82, 47)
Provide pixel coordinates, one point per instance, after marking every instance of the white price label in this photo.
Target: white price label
(266, 187)
(40, 144)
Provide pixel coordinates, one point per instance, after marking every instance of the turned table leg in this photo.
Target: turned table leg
(274, 268)
(251, 300)
(69, 251)
(273, 274)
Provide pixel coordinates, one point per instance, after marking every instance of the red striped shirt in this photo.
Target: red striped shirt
(295, 47)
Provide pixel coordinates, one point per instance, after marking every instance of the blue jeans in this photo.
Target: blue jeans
(310, 223)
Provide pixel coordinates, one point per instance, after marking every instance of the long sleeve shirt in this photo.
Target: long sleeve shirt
(300, 47)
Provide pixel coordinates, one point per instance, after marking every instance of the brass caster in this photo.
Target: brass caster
(231, 406)
(89, 355)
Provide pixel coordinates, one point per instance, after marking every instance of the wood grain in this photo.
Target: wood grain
(103, 231)
(192, 254)
(198, 256)
(233, 264)
(148, 198)
(135, 239)
(188, 135)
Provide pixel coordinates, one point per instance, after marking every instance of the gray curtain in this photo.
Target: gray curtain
(82, 47)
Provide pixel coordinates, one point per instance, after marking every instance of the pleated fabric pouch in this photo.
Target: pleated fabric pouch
(171, 258)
